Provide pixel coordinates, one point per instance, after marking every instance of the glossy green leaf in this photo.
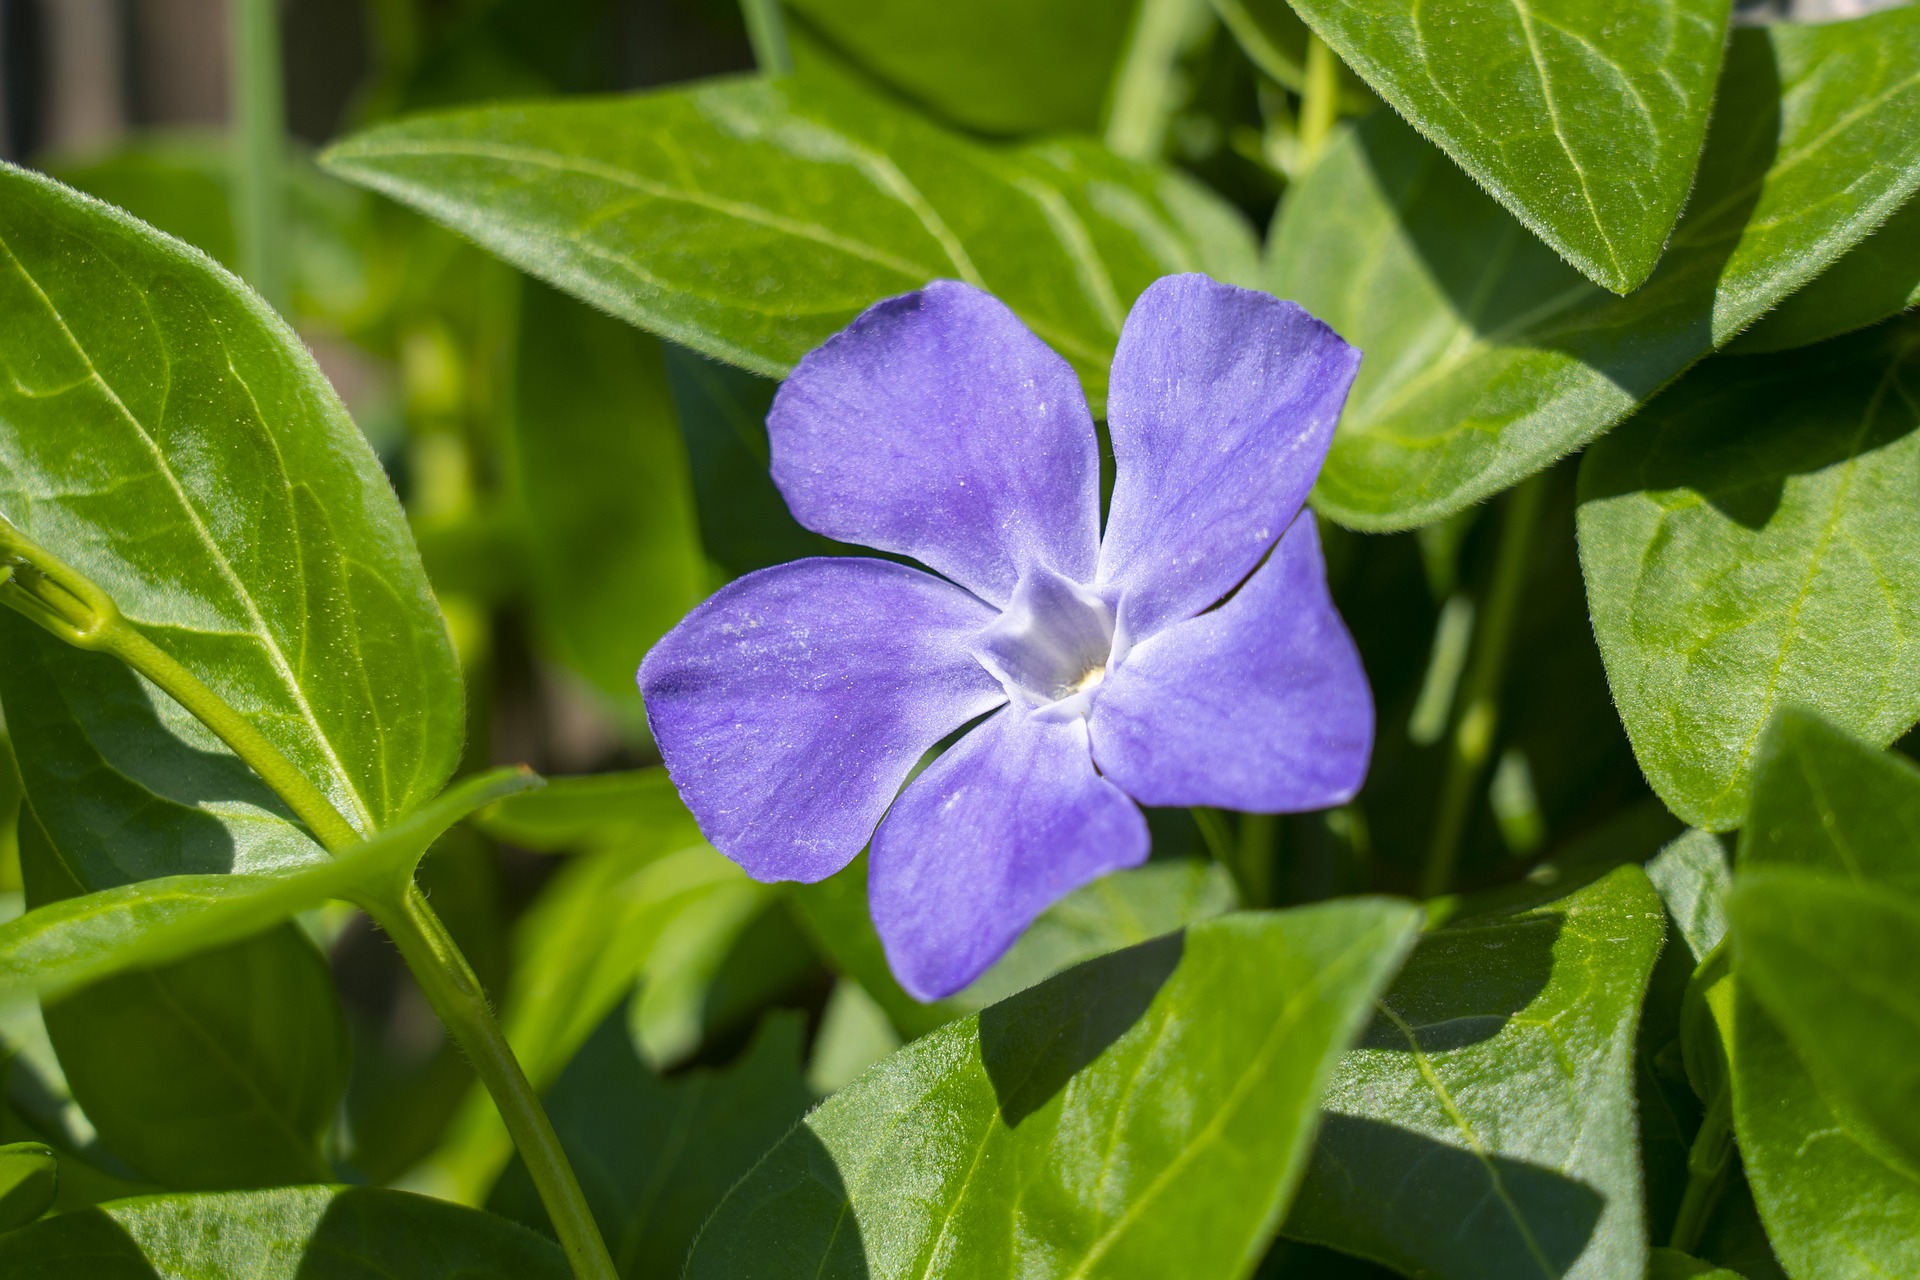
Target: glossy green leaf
(1824, 800)
(601, 474)
(750, 220)
(77, 939)
(1583, 117)
(1834, 1207)
(657, 1155)
(1487, 357)
(1741, 551)
(1837, 965)
(998, 66)
(1485, 1125)
(1146, 1113)
(166, 434)
(29, 1179)
(292, 1233)
(1877, 279)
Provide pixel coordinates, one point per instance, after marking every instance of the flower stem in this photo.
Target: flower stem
(456, 995)
(1707, 1163)
(1146, 87)
(767, 33)
(1478, 719)
(72, 607)
(1319, 100)
(258, 137)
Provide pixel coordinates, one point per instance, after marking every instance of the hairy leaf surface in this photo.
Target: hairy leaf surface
(1878, 278)
(291, 1233)
(1584, 119)
(1144, 1114)
(1487, 357)
(1741, 552)
(750, 219)
(1485, 1126)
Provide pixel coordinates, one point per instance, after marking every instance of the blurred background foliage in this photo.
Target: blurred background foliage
(575, 485)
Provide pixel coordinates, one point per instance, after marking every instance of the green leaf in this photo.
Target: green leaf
(1692, 878)
(83, 938)
(1487, 357)
(657, 1155)
(29, 1179)
(1822, 799)
(1671, 1264)
(1585, 120)
(1144, 1114)
(167, 435)
(750, 220)
(1485, 1126)
(597, 461)
(1834, 1207)
(1741, 552)
(292, 1233)
(1880, 277)
(638, 809)
(1837, 964)
(998, 66)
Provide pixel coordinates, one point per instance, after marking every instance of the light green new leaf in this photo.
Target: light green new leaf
(639, 809)
(1583, 117)
(1487, 357)
(292, 1233)
(1837, 964)
(657, 1155)
(1145, 1114)
(1747, 543)
(76, 940)
(596, 458)
(750, 219)
(29, 1179)
(1485, 1126)
(1880, 277)
(998, 66)
(1835, 1207)
(166, 434)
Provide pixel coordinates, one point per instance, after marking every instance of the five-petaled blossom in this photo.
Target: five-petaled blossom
(1191, 655)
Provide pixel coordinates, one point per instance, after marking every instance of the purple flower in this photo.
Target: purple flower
(792, 705)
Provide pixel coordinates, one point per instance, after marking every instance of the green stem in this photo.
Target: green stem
(72, 607)
(1319, 100)
(767, 33)
(456, 995)
(259, 147)
(1146, 90)
(1707, 1163)
(1479, 714)
(1259, 834)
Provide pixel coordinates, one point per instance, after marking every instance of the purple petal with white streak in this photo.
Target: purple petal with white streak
(1222, 406)
(1009, 821)
(937, 426)
(1261, 705)
(792, 704)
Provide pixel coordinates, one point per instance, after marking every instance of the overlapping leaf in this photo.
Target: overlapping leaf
(167, 435)
(293, 1233)
(1741, 552)
(1487, 357)
(1485, 1126)
(1144, 1114)
(1878, 278)
(750, 220)
(1584, 119)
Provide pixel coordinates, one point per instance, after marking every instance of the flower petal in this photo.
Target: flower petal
(1009, 821)
(1261, 705)
(937, 426)
(792, 705)
(1222, 405)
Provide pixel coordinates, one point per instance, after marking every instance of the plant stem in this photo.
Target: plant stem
(1319, 100)
(1146, 91)
(258, 134)
(1479, 714)
(1707, 1163)
(1258, 837)
(767, 33)
(456, 995)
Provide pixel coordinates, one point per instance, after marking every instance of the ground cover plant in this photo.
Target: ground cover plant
(1065, 638)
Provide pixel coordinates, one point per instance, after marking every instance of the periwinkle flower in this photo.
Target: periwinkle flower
(1190, 656)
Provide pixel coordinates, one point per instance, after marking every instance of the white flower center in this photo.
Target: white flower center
(1051, 647)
